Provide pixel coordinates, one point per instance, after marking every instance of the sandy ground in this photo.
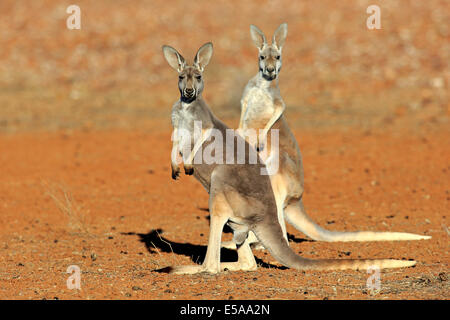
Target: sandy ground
(104, 201)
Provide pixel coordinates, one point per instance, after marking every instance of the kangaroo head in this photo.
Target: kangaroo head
(190, 80)
(269, 54)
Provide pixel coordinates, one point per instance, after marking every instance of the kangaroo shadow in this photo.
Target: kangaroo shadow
(154, 242)
(293, 238)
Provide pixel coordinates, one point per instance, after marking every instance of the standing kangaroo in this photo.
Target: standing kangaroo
(239, 195)
(262, 108)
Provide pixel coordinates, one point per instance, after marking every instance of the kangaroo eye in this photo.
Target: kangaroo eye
(199, 77)
(181, 77)
(277, 57)
(261, 57)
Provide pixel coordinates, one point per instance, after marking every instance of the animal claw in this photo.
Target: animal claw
(188, 170)
(175, 174)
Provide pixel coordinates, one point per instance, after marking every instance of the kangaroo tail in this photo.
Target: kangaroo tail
(297, 216)
(271, 236)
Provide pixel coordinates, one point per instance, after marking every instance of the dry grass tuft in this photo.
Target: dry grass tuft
(67, 206)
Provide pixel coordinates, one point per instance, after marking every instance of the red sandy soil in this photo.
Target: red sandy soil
(104, 201)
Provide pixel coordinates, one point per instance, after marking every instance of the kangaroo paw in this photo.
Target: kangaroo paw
(188, 170)
(175, 173)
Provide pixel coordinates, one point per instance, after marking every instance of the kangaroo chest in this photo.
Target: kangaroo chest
(259, 108)
(183, 120)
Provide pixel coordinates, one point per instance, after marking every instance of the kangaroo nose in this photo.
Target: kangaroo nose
(270, 69)
(189, 90)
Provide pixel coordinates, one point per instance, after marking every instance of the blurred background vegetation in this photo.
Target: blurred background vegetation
(111, 73)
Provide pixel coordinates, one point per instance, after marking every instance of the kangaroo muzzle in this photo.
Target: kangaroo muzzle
(270, 70)
(269, 73)
(189, 92)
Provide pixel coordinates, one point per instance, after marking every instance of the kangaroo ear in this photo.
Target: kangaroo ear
(203, 56)
(257, 36)
(280, 36)
(174, 59)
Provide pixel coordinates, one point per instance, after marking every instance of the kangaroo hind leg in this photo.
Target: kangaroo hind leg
(220, 212)
(246, 260)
